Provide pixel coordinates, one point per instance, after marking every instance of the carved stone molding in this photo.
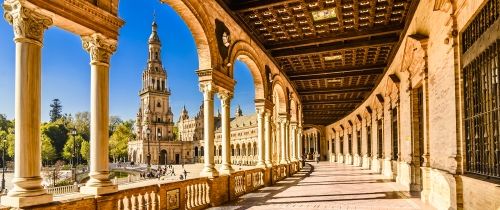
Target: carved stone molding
(442, 5)
(99, 47)
(208, 89)
(27, 23)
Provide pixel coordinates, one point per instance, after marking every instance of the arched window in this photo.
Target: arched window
(156, 55)
(158, 104)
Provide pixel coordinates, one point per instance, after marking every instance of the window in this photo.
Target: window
(380, 139)
(341, 145)
(395, 141)
(358, 142)
(349, 143)
(333, 145)
(482, 93)
(369, 141)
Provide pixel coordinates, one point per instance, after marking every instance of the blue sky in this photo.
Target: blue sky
(66, 71)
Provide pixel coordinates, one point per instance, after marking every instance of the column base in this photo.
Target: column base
(101, 190)
(269, 164)
(20, 202)
(261, 165)
(226, 169)
(283, 162)
(209, 172)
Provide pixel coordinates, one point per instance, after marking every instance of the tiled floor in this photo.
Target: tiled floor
(329, 186)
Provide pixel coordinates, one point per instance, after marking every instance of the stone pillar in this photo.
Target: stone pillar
(267, 139)
(29, 27)
(207, 88)
(282, 130)
(293, 140)
(260, 137)
(299, 143)
(225, 99)
(287, 141)
(100, 49)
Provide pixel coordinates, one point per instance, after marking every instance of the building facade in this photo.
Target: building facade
(243, 136)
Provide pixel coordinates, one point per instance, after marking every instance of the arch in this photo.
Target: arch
(242, 51)
(293, 110)
(279, 97)
(196, 151)
(163, 157)
(202, 151)
(220, 150)
(195, 17)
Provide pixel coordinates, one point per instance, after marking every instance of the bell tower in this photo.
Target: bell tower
(154, 112)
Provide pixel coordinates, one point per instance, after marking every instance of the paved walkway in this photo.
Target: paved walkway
(329, 186)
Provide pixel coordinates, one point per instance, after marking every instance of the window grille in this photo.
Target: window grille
(482, 111)
(379, 138)
(395, 142)
(369, 141)
(485, 18)
(358, 142)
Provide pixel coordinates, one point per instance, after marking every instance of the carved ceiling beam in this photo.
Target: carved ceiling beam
(336, 90)
(341, 72)
(336, 38)
(332, 102)
(249, 5)
(347, 45)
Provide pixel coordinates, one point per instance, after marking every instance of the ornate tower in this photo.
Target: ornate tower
(155, 112)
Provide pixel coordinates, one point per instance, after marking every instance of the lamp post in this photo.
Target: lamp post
(159, 153)
(3, 164)
(148, 132)
(73, 161)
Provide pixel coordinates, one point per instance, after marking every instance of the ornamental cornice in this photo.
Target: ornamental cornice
(99, 47)
(27, 23)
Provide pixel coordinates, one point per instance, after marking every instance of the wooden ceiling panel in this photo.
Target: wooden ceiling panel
(332, 50)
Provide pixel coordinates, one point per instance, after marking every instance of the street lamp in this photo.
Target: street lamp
(73, 133)
(159, 153)
(3, 164)
(148, 132)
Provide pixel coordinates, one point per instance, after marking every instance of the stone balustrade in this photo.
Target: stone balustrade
(196, 193)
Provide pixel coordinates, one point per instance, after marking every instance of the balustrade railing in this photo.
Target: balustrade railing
(61, 190)
(196, 193)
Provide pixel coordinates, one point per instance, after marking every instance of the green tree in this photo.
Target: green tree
(113, 122)
(57, 132)
(85, 150)
(119, 140)
(81, 123)
(5, 124)
(48, 151)
(56, 111)
(68, 147)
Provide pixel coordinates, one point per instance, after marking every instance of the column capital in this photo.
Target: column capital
(28, 23)
(99, 47)
(207, 87)
(225, 97)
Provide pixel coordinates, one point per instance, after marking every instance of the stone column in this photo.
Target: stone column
(293, 140)
(282, 130)
(29, 26)
(299, 143)
(260, 137)
(267, 139)
(225, 99)
(100, 49)
(207, 88)
(287, 141)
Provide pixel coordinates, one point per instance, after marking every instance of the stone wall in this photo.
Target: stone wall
(428, 58)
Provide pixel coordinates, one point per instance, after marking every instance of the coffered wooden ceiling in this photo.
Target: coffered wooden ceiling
(334, 51)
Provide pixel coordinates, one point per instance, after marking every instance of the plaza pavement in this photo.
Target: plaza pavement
(329, 186)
